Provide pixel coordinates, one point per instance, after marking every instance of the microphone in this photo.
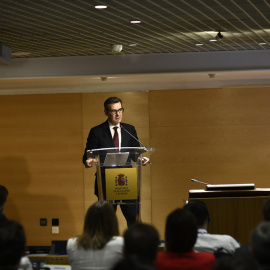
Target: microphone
(135, 139)
(194, 180)
(132, 136)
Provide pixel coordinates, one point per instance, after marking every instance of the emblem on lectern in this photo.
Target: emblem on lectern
(121, 180)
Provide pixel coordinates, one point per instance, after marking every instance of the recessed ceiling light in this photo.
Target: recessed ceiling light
(135, 21)
(213, 40)
(132, 45)
(100, 6)
(199, 44)
(262, 43)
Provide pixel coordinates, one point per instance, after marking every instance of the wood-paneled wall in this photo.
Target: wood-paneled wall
(219, 136)
(213, 135)
(42, 141)
(41, 148)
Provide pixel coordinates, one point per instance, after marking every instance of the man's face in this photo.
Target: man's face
(114, 116)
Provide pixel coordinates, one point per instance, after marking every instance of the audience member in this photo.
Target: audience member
(260, 245)
(3, 199)
(99, 246)
(25, 263)
(12, 244)
(133, 263)
(180, 238)
(244, 251)
(215, 243)
(266, 210)
(141, 240)
(232, 263)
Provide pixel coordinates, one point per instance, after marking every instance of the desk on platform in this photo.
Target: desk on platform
(235, 212)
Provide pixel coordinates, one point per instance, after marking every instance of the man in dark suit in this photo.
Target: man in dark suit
(110, 134)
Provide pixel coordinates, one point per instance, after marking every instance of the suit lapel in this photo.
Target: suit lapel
(107, 134)
(124, 137)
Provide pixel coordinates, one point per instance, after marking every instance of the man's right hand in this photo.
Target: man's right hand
(90, 162)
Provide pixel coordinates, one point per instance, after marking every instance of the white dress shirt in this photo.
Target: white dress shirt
(101, 259)
(212, 242)
(111, 126)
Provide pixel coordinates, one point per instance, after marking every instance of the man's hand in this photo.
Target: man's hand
(90, 162)
(145, 161)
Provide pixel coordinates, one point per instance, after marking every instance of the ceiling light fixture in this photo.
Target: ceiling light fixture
(262, 43)
(116, 48)
(212, 75)
(199, 44)
(100, 7)
(219, 35)
(135, 21)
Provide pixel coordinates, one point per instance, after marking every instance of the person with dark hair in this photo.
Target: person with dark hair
(3, 199)
(232, 263)
(99, 246)
(141, 240)
(180, 238)
(140, 248)
(12, 244)
(266, 210)
(25, 263)
(102, 136)
(133, 263)
(245, 251)
(260, 245)
(215, 243)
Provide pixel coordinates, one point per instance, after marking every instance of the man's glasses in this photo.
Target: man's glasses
(116, 111)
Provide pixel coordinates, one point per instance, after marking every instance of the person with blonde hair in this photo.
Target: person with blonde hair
(99, 246)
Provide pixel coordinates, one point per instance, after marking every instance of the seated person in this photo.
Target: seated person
(207, 242)
(133, 263)
(260, 245)
(99, 246)
(25, 263)
(245, 251)
(141, 240)
(180, 238)
(232, 263)
(12, 244)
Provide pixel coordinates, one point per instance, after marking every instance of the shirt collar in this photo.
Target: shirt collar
(202, 231)
(112, 126)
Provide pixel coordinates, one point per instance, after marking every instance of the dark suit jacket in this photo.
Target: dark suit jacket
(100, 137)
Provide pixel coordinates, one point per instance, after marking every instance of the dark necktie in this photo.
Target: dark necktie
(115, 137)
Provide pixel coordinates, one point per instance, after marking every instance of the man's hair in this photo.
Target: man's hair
(266, 210)
(12, 243)
(181, 231)
(100, 226)
(133, 263)
(260, 243)
(3, 195)
(111, 100)
(141, 240)
(199, 210)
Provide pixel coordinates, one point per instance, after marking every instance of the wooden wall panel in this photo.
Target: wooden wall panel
(40, 144)
(136, 113)
(213, 135)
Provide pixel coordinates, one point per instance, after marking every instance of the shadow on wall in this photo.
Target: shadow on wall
(31, 197)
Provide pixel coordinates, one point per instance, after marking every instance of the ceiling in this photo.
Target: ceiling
(46, 28)
(37, 29)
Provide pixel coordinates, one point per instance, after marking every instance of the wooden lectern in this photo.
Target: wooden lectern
(233, 212)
